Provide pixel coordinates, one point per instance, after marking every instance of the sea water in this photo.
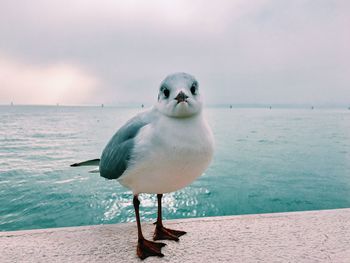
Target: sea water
(266, 160)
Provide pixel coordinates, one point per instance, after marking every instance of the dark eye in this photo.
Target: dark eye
(166, 93)
(193, 89)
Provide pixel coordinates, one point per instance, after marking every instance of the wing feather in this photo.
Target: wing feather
(116, 155)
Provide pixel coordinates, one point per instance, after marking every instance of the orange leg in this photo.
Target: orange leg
(162, 233)
(145, 248)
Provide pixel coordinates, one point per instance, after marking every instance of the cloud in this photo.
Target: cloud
(58, 83)
(262, 51)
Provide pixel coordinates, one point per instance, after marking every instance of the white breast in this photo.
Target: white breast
(168, 155)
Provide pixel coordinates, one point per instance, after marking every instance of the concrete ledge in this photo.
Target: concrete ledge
(314, 236)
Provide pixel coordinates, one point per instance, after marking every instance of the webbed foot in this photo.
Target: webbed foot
(162, 233)
(146, 248)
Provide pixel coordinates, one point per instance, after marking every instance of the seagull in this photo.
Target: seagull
(160, 150)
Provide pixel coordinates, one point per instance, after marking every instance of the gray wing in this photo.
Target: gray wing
(116, 155)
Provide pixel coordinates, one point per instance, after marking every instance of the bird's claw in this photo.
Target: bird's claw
(162, 233)
(146, 248)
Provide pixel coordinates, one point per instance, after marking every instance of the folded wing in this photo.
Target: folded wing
(116, 155)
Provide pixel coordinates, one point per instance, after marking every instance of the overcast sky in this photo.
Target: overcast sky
(113, 52)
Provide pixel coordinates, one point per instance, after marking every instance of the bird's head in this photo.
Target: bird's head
(179, 96)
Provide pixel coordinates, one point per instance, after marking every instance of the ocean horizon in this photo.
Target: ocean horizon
(266, 160)
(217, 105)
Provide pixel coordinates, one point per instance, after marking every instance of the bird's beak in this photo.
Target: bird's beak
(181, 97)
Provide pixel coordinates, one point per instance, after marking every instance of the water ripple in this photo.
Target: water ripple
(265, 161)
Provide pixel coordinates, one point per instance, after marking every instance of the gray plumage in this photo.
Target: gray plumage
(116, 155)
(94, 162)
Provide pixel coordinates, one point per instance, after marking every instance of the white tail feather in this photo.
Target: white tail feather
(96, 170)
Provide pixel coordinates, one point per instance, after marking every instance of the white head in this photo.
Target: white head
(179, 96)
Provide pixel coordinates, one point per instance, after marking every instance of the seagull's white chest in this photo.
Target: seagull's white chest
(169, 155)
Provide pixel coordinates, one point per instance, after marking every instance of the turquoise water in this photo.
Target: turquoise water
(266, 161)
